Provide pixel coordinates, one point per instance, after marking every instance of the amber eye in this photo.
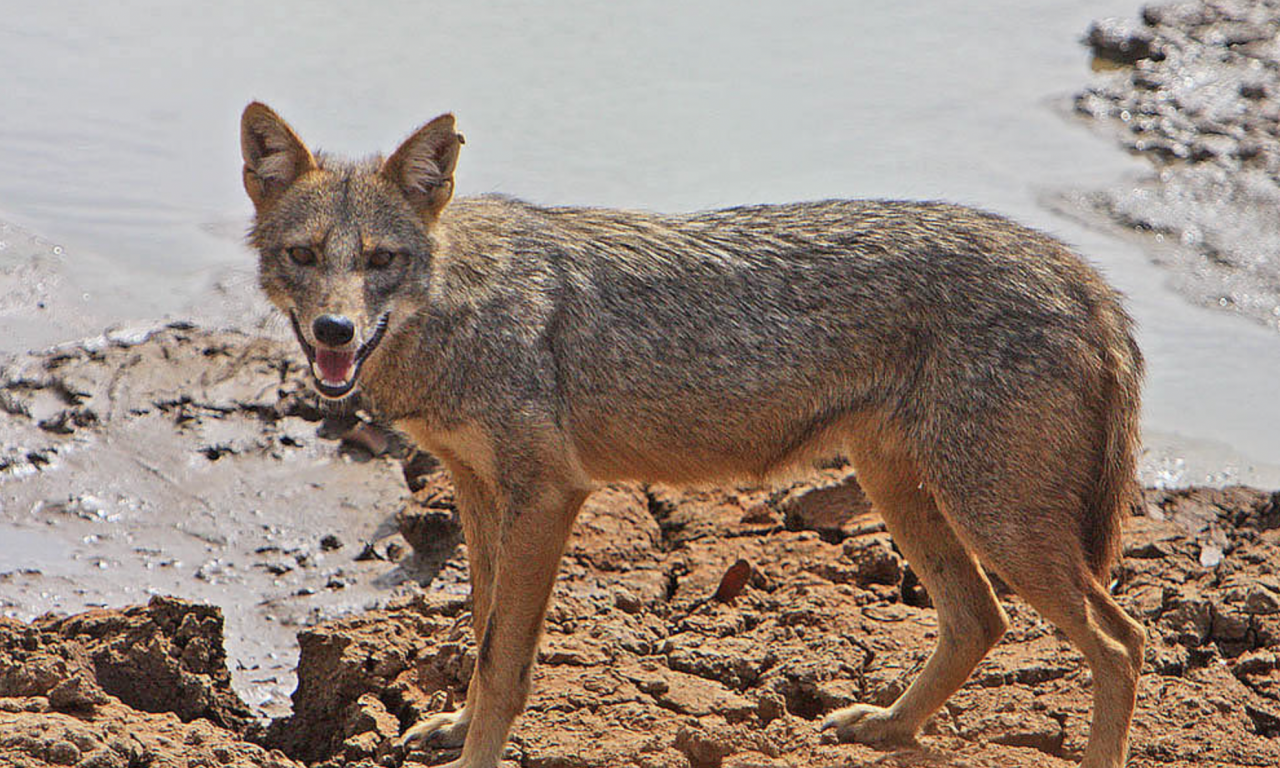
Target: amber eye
(381, 258)
(301, 255)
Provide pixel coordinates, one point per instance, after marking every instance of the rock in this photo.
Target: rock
(837, 509)
(702, 748)
(429, 530)
(370, 729)
(429, 523)
(698, 697)
(77, 692)
(360, 675)
(874, 559)
(1121, 41)
(734, 581)
(164, 657)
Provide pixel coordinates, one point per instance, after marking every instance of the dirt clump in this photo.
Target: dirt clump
(142, 686)
(166, 656)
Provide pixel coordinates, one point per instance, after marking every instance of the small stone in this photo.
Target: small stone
(1262, 599)
(369, 552)
(734, 581)
(417, 467)
(1191, 618)
(428, 530)
(61, 424)
(1258, 662)
(1210, 556)
(1253, 90)
(362, 746)
(77, 692)
(702, 748)
(63, 753)
(875, 560)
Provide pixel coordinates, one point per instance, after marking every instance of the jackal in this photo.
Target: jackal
(983, 380)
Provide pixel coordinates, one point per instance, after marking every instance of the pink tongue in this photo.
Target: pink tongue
(334, 366)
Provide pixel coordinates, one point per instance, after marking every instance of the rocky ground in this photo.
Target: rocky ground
(702, 629)
(708, 628)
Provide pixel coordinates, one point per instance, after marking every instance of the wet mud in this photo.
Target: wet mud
(1195, 88)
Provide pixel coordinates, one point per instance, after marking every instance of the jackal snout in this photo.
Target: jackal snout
(333, 330)
(336, 351)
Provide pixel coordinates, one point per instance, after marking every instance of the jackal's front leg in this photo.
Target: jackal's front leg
(535, 524)
(481, 528)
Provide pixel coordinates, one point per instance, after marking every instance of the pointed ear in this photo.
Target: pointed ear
(423, 166)
(274, 156)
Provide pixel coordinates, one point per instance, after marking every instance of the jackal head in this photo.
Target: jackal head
(345, 248)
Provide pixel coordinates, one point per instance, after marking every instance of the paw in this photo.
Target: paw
(442, 730)
(869, 725)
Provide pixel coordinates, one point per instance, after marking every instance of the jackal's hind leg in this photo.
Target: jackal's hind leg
(1059, 584)
(969, 618)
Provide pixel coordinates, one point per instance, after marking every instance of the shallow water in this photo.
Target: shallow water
(118, 134)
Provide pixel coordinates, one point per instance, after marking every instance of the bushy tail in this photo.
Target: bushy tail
(1117, 486)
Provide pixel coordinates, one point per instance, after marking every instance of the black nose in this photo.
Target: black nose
(333, 330)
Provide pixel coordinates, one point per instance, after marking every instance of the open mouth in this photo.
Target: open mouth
(336, 370)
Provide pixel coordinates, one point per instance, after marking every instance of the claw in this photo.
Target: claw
(869, 725)
(443, 729)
